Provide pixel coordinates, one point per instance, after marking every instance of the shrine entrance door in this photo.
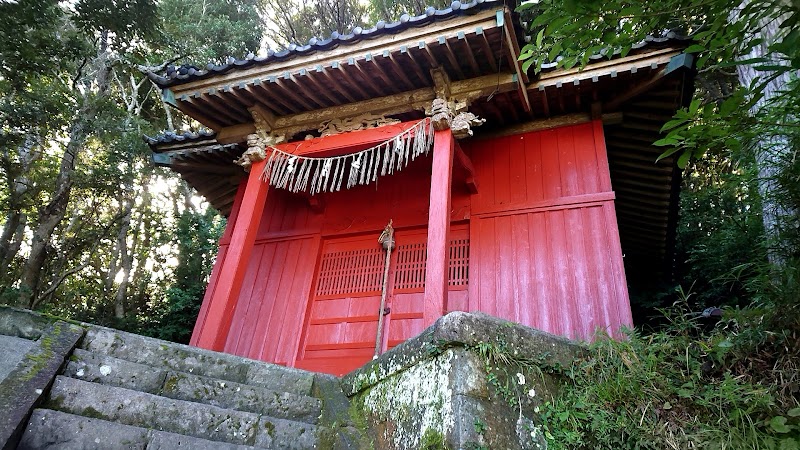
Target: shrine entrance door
(341, 325)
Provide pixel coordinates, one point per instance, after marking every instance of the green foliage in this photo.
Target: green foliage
(297, 21)
(390, 10)
(432, 440)
(206, 32)
(69, 77)
(678, 388)
(197, 235)
(719, 240)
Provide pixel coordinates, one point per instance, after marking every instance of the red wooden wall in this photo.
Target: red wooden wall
(543, 233)
(538, 244)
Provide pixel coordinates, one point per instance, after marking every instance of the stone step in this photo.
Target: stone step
(104, 369)
(48, 429)
(183, 358)
(12, 352)
(140, 409)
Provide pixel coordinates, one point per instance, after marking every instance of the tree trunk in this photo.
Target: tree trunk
(770, 149)
(126, 261)
(19, 184)
(51, 214)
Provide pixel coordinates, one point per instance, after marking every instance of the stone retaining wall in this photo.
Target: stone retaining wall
(471, 381)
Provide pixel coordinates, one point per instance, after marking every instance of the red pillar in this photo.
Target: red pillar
(226, 291)
(438, 227)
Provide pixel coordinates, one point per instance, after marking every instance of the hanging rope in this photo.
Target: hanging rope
(300, 173)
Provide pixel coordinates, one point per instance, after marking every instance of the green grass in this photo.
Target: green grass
(734, 387)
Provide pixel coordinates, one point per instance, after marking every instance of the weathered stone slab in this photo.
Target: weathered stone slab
(57, 430)
(22, 389)
(88, 366)
(161, 440)
(22, 323)
(193, 360)
(469, 381)
(465, 330)
(12, 351)
(61, 431)
(241, 397)
(285, 434)
(147, 410)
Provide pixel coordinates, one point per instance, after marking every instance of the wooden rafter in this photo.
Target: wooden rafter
(336, 84)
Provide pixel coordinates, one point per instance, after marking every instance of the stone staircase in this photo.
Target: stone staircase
(124, 391)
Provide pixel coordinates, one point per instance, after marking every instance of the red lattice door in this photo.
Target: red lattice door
(342, 322)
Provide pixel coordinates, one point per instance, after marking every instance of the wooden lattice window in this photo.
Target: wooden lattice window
(360, 271)
(351, 272)
(410, 270)
(458, 274)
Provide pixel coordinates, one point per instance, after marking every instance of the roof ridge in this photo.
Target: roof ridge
(190, 72)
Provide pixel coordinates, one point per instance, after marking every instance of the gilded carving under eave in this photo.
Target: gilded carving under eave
(256, 148)
(362, 122)
(453, 115)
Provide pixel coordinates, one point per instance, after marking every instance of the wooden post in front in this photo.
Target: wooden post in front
(226, 292)
(438, 227)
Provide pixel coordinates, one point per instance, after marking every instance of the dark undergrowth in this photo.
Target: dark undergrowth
(732, 385)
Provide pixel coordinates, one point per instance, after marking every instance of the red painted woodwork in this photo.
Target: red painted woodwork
(438, 226)
(225, 296)
(537, 244)
(346, 142)
(545, 246)
(346, 297)
(220, 259)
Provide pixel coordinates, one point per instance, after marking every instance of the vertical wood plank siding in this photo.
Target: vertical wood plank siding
(538, 244)
(544, 241)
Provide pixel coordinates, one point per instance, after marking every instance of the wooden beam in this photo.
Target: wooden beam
(437, 265)
(395, 85)
(469, 90)
(206, 168)
(368, 80)
(236, 133)
(280, 81)
(338, 143)
(487, 49)
(400, 74)
(465, 163)
(451, 56)
(426, 50)
(222, 304)
(280, 100)
(349, 78)
(415, 66)
(203, 102)
(310, 93)
(441, 83)
(680, 61)
(604, 68)
(536, 125)
(188, 108)
(473, 63)
(265, 116)
(335, 83)
(318, 87)
(261, 99)
(393, 104)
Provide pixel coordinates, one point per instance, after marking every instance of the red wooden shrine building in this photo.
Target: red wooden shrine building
(533, 216)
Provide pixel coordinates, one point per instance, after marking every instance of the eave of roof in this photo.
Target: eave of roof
(186, 74)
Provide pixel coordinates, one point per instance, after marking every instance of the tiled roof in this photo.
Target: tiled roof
(171, 137)
(187, 73)
(667, 38)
